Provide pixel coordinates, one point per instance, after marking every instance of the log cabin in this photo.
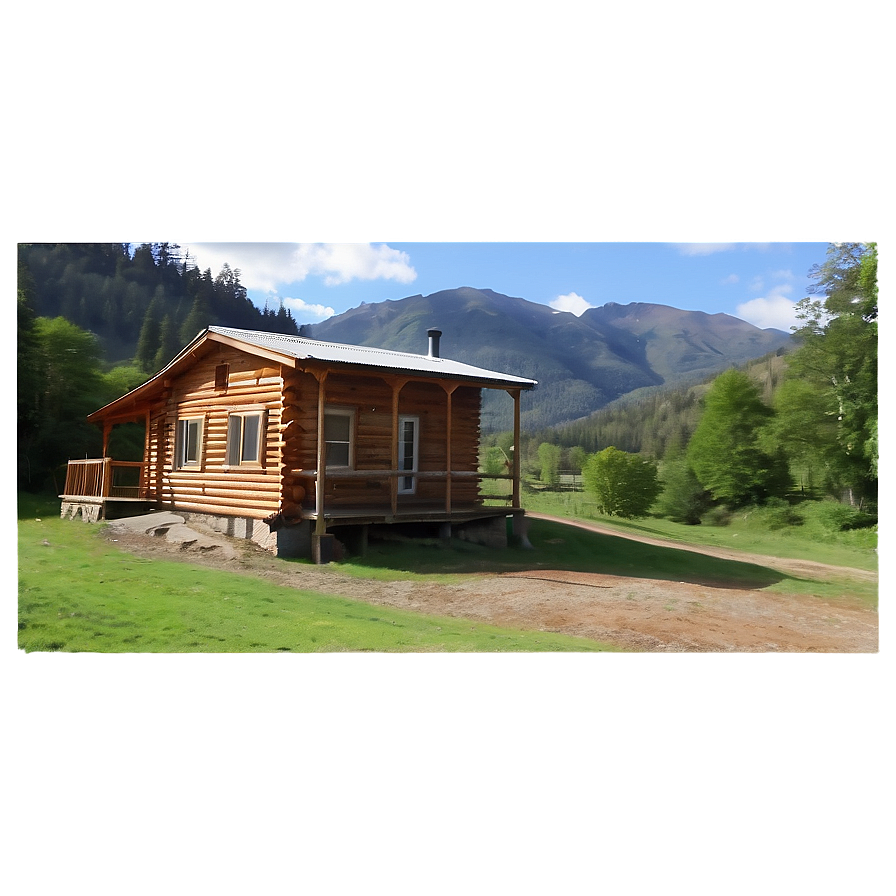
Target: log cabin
(305, 446)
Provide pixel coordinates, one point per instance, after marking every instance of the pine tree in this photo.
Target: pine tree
(168, 343)
(197, 320)
(148, 341)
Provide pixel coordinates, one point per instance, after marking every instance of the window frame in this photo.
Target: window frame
(238, 448)
(182, 442)
(350, 413)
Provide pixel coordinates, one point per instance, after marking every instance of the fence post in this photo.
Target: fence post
(107, 477)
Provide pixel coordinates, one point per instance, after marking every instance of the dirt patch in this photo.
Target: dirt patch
(633, 613)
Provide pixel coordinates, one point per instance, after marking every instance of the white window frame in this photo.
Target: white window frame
(407, 485)
(334, 411)
(236, 439)
(182, 456)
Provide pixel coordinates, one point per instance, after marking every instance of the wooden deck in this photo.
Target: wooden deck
(103, 488)
(419, 513)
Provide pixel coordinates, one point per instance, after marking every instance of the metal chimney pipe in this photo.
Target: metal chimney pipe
(434, 336)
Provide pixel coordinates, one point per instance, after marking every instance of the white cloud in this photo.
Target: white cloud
(269, 266)
(772, 310)
(704, 248)
(342, 262)
(571, 302)
(731, 278)
(302, 311)
(711, 247)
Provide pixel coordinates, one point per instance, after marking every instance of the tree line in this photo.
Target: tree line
(95, 320)
(800, 425)
(144, 302)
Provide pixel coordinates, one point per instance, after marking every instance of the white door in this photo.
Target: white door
(408, 438)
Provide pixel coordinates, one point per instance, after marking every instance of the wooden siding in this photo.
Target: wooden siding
(284, 479)
(211, 486)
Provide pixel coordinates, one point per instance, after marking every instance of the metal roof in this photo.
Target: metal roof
(364, 356)
(350, 356)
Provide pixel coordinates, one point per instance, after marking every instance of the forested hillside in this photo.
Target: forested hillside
(145, 303)
(657, 420)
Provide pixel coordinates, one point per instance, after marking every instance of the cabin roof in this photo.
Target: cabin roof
(365, 356)
(351, 357)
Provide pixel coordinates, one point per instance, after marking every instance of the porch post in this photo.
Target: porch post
(397, 386)
(320, 527)
(106, 484)
(142, 488)
(449, 391)
(516, 447)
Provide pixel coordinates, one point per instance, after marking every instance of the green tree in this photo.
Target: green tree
(28, 376)
(549, 460)
(169, 344)
(200, 315)
(623, 484)
(148, 342)
(577, 458)
(683, 498)
(725, 450)
(493, 461)
(838, 357)
(70, 386)
(805, 426)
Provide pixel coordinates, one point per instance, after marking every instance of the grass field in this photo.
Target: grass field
(78, 593)
(747, 531)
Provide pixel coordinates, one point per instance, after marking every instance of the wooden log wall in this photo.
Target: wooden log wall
(251, 385)
(288, 398)
(370, 397)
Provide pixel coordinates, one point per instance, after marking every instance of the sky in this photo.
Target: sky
(757, 282)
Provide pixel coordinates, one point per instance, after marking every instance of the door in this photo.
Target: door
(408, 446)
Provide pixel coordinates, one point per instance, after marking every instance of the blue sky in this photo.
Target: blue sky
(758, 282)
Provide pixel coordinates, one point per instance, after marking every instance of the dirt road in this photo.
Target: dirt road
(633, 613)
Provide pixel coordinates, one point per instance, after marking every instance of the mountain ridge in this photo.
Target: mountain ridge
(581, 363)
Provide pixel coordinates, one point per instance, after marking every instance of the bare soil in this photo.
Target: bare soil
(631, 613)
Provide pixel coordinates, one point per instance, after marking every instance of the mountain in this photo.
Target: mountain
(581, 363)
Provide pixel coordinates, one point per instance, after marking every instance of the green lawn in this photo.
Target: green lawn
(745, 532)
(79, 593)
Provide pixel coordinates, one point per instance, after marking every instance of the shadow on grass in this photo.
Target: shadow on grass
(556, 546)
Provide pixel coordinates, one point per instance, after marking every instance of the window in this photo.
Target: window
(222, 376)
(408, 436)
(338, 425)
(188, 442)
(244, 436)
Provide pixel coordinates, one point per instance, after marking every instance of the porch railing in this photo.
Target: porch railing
(104, 478)
(392, 477)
